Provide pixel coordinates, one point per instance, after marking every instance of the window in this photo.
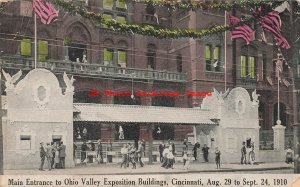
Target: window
(248, 66)
(217, 62)
(43, 50)
(25, 142)
(108, 4)
(179, 63)
(208, 57)
(122, 58)
(252, 67)
(243, 66)
(26, 47)
(121, 4)
(151, 60)
(212, 58)
(108, 56)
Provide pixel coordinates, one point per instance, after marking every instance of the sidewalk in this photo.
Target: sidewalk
(114, 169)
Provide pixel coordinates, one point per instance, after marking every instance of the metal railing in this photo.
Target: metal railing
(92, 70)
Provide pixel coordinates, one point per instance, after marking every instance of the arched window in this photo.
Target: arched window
(179, 63)
(151, 56)
(248, 62)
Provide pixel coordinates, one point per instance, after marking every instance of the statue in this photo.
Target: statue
(10, 80)
(69, 82)
(84, 60)
(121, 133)
(255, 96)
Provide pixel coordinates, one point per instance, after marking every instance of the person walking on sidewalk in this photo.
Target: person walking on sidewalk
(132, 155)
(185, 160)
(43, 155)
(99, 152)
(140, 153)
(218, 158)
(124, 153)
(62, 154)
(205, 152)
(195, 149)
(171, 160)
(165, 153)
(244, 153)
(161, 150)
(49, 151)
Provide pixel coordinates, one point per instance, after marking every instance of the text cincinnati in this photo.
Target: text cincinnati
(139, 93)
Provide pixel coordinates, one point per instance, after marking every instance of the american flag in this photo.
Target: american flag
(45, 11)
(244, 31)
(272, 22)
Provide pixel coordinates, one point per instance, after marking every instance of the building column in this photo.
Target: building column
(107, 132)
(279, 138)
(146, 134)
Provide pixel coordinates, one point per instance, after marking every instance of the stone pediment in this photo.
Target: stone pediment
(37, 97)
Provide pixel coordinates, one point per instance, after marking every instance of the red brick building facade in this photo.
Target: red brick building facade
(101, 60)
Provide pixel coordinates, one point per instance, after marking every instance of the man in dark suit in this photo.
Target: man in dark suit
(140, 153)
(43, 155)
(161, 150)
(62, 154)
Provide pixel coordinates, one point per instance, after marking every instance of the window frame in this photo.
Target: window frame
(111, 50)
(122, 62)
(212, 58)
(26, 42)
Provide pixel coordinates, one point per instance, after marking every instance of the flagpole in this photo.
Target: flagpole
(278, 106)
(35, 42)
(225, 51)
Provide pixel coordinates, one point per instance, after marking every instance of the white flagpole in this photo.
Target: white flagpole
(225, 52)
(278, 106)
(35, 42)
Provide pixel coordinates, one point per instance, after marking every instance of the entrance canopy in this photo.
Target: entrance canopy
(141, 114)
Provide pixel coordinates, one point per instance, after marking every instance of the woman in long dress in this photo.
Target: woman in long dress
(56, 159)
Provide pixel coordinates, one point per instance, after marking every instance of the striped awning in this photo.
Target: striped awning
(141, 114)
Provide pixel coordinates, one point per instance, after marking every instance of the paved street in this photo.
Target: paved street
(114, 169)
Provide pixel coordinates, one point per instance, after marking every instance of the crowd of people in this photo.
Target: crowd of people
(132, 155)
(54, 154)
(167, 154)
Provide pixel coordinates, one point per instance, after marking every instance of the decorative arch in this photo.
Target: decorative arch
(151, 47)
(123, 44)
(108, 42)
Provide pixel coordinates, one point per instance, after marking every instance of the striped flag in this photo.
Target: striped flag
(244, 31)
(272, 23)
(286, 82)
(45, 11)
(270, 81)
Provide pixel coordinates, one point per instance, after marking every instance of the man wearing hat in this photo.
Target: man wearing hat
(43, 155)
(99, 152)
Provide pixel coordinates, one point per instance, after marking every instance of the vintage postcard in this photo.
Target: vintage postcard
(149, 93)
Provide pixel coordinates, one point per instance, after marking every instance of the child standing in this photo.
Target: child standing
(185, 160)
(218, 158)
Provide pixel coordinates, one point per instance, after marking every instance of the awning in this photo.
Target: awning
(141, 114)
